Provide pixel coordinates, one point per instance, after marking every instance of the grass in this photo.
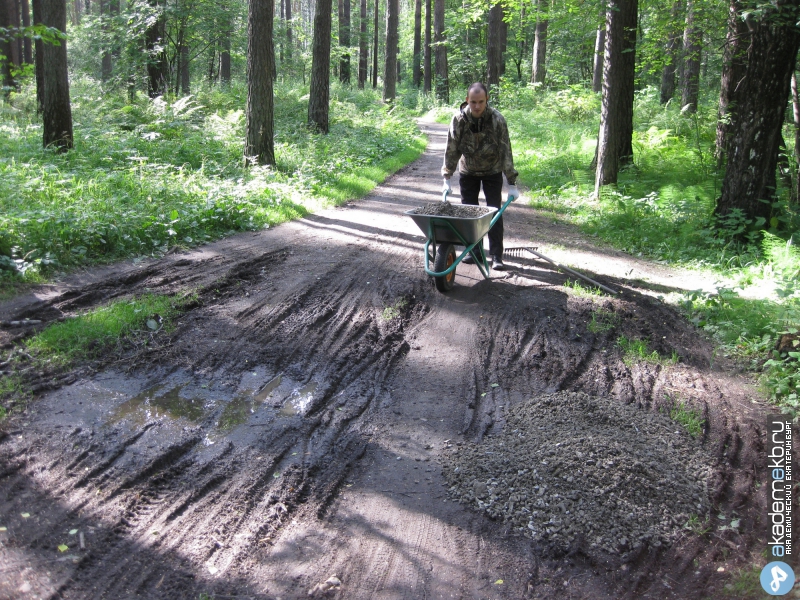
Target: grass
(690, 419)
(602, 321)
(581, 290)
(746, 583)
(662, 208)
(636, 351)
(697, 526)
(149, 175)
(97, 333)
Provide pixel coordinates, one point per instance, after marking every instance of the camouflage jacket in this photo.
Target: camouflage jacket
(479, 146)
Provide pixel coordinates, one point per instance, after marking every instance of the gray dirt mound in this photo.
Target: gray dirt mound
(573, 471)
(446, 209)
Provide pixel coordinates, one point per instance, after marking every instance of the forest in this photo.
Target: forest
(130, 128)
(224, 372)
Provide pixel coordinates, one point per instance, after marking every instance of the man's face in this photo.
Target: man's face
(477, 102)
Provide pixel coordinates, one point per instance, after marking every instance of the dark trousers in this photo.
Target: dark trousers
(493, 190)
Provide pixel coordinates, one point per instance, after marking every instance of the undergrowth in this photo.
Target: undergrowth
(662, 208)
(635, 351)
(689, 418)
(149, 175)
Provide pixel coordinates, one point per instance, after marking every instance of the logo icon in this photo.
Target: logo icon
(777, 578)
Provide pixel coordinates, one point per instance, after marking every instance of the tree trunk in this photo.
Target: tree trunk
(375, 47)
(27, 55)
(671, 56)
(615, 140)
(427, 61)
(36, 5)
(734, 62)
(184, 69)
(784, 167)
(417, 62)
(442, 82)
(7, 46)
(362, 46)
(494, 52)
(344, 41)
(15, 44)
(106, 64)
(796, 113)
(289, 38)
(76, 12)
(538, 70)
(692, 48)
(283, 20)
(756, 108)
(157, 68)
(56, 108)
(503, 46)
(390, 64)
(259, 125)
(597, 67)
(225, 58)
(319, 97)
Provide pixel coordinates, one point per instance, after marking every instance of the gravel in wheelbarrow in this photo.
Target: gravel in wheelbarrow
(445, 209)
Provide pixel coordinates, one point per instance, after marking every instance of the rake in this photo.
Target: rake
(518, 253)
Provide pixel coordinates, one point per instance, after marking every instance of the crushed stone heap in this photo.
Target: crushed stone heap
(573, 471)
(446, 209)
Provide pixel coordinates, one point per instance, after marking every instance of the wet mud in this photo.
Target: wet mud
(290, 437)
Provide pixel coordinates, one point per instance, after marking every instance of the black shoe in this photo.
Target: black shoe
(497, 264)
(468, 259)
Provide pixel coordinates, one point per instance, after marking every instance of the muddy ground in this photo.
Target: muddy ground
(295, 425)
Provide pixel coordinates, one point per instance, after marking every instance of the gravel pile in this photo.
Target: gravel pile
(445, 209)
(572, 470)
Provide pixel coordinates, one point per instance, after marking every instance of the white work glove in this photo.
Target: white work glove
(446, 187)
(513, 192)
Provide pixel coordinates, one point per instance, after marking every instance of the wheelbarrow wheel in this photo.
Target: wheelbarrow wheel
(445, 257)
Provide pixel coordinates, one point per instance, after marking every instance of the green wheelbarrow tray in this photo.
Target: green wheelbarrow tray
(445, 231)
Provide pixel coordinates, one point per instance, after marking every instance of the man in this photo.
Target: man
(478, 144)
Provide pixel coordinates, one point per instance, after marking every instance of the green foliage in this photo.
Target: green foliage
(581, 290)
(636, 351)
(85, 337)
(149, 175)
(697, 526)
(602, 321)
(662, 208)
(11, 388)
(690, 419)
(762, 331)
(393, 311)
(746, 584)
(94, 333)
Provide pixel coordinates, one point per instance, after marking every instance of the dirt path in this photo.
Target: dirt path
(295, 425)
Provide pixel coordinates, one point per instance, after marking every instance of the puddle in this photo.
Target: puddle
(160, 401)
(236, 412)
(300, 401)
(174, 401)
(264, 393)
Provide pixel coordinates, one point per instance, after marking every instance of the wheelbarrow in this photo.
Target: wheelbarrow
(444, 233)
